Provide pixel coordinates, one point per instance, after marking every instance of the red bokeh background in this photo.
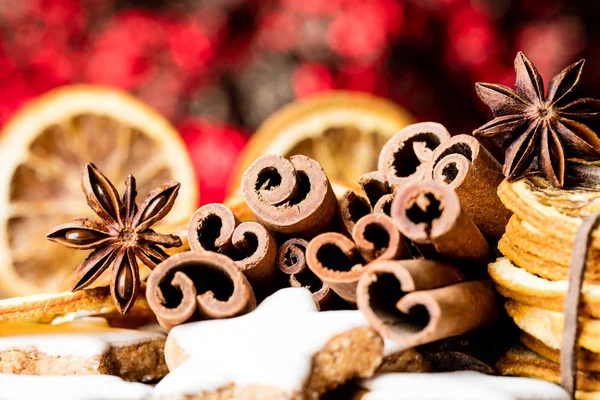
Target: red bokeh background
(218, 68)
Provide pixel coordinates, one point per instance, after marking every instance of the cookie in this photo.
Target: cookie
(71, 387)
(404, 361)
(81, 347)
(285, 343)
(233, 392)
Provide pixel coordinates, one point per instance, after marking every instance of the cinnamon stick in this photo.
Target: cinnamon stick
(405, 156)
(377, 238)
(384, 205)
(414, 302)
(375, 185)
(193, 286)
(474, 174)
(352, 208)
(336, 261)
(290, 197)
(213, 227)
(291, 261)
(429, 213)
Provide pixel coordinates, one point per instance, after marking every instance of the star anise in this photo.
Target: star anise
(540, 131)
(121, 237)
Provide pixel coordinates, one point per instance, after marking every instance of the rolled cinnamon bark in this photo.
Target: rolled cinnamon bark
(474, 174)
(193, 286)
(405, 156)
(291, 261)
(335, 260)
(429, 213)
(214, 227)
(375, 185)
(414, 302)
(290, 197)
(211, 227)
(389, 280)
(384, 205)
(451, 310)
(352, 208)
(377, 238)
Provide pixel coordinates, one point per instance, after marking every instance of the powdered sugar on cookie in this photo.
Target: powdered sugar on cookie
(81, 337)
(88, 387)
(465, 385)
(273, 345)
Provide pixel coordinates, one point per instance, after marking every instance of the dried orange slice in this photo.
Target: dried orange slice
(43, 148)
(343, 130)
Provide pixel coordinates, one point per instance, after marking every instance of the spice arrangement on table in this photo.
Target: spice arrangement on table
(435, 273)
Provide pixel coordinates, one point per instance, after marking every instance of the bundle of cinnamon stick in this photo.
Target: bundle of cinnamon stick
(410, 250)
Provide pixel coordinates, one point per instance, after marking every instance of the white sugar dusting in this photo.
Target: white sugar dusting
(466, 385)
(83, 337)
(82, 387)
(272, 345)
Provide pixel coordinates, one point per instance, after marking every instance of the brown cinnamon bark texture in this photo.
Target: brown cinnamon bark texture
(377, 237)
(429, 213)
(405, 156)
(414, 302)
(193, 286)
(384, 205)
(214, 227)
(474, 174)
(352, 208)
(375, 185)
(291, 260)
(336, 261)
(290, 197)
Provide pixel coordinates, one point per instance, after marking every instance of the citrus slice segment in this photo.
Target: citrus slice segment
(43, 148)
(344, 131)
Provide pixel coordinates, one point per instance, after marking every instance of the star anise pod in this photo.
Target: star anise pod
(121, 237)
(540, 131)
